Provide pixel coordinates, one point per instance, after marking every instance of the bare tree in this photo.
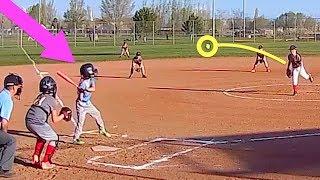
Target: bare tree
(48, 12)
(116, 10)
(76, 13)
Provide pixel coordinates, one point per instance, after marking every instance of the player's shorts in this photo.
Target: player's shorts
(137, 67)
(260, 61)
(43, 131)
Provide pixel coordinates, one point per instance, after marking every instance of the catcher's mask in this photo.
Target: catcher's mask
(48, 86)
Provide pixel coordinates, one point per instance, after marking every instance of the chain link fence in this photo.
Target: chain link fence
(103, 33)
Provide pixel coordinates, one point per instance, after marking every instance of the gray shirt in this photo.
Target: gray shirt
(41, 109)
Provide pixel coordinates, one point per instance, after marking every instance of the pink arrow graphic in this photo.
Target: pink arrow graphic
(55, 47)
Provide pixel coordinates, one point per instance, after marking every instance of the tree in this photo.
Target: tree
(76, 13)
(116, 11)
(48, 12)
(144, 18)
(194, 22)
(286, 20)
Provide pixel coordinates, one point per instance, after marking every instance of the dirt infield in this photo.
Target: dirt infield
(191, 119)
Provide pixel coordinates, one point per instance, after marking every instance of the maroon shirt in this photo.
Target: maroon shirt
(260, 56)
(295, 60)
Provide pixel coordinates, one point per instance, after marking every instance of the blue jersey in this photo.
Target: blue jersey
(6, 105)
(84, 96)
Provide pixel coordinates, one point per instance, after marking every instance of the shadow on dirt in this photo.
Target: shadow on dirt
(287, 153)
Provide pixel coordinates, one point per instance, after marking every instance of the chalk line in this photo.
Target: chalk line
(229, 92)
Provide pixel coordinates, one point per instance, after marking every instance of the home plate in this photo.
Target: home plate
(104, 149)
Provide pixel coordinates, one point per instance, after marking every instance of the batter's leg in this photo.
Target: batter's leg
(95, 113)
(81, 116)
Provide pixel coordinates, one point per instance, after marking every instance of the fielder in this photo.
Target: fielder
(44, 106)
(261, 58)
(125, 50)
(296, 68)
(84, 105)
(12, 88)
(137, 65)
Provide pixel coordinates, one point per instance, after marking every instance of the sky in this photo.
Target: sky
(268, 8)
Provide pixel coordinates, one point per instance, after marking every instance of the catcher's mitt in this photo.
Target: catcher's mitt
(67, 113)
(289, 73)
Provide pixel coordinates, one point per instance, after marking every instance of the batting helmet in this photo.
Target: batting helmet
(48, 86)
(88, 71)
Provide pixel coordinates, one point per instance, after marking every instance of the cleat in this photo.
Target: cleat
(253, 70)
(78, 142)
(268, 70)
(311, 78)
(144, 76)
(47, 165)
(295, 93)
(105, 133)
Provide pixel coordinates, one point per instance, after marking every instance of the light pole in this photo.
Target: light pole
(40, 4)
(244, 17)
(213, 18)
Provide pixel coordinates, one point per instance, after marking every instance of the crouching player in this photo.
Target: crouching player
(137, 65)
(44, 107)
(84, 105)
(260, 59)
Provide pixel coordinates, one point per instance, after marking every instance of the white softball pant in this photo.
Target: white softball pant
(81, 114)
(300, 71)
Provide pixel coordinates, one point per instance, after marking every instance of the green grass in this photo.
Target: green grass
(184, 48)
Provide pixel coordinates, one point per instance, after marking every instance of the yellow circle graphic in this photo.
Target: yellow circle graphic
(215, 46)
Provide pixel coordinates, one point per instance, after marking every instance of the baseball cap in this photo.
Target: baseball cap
(292, 47)
(12, 80)
(260, 47)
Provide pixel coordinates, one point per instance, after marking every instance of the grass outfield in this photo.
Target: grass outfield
(86, 52)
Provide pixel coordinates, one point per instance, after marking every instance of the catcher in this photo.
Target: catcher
(137, 65)
(260, 59)
(43, 108)
(125, 50)
(296, 68)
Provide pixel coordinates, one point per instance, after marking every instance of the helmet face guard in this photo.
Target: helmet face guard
(48, 86)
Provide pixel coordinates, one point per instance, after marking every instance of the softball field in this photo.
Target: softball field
(191, 119)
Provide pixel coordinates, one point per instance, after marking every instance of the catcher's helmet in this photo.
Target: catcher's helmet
(48, 86)
(12, 80)
(88, 71)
